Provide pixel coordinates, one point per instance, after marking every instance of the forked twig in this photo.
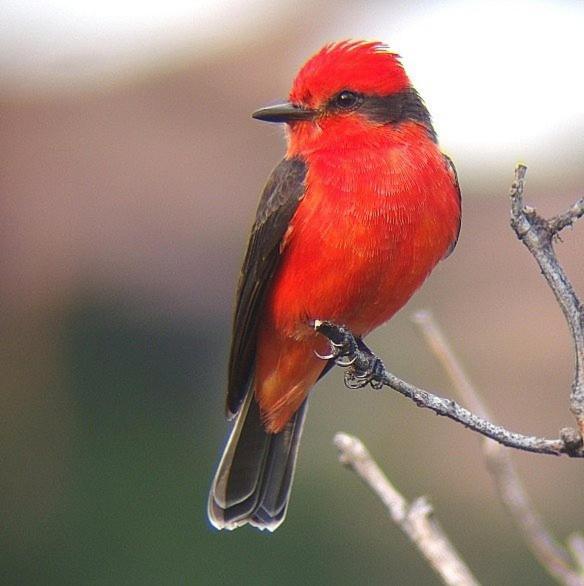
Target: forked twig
(416, 520)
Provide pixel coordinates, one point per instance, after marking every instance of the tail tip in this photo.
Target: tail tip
(219, 518)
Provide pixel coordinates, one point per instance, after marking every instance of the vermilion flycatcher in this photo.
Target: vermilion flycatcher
(349, 225)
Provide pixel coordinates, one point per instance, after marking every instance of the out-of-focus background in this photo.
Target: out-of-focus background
(130, 171)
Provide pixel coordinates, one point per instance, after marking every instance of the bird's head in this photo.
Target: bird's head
(348, 90)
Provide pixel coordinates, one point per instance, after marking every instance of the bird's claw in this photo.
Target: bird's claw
(363, 367)
(356, 378)
(341, 351)
(345, 361)
(338, 355)
(339, 358)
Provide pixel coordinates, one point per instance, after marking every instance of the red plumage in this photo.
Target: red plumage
(369, 67)
(379, 208)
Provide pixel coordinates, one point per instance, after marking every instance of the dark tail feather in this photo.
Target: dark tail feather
(253, 481)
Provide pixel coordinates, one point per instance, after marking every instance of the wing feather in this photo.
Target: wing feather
(278, 203)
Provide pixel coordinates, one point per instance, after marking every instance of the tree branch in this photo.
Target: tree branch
(415, 520)
(551, 555)
(576, 546)
(538, 235)
(365, 368)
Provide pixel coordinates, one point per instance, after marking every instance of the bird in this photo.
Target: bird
(350, 223)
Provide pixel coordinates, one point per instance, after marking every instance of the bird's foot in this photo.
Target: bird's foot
(366, 369)
(350, 352)
(343, 346)
(357, 377)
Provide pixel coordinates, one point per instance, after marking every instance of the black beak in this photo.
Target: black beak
(283, 113)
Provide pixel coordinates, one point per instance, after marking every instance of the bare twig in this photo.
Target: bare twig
(415, 520)
(366, 368)
(442, 350)
(576, 546)
(538, 235)
(552, 556)
(561, 221)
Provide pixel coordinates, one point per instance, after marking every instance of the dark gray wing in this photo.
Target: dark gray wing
(278, 203)
(451, 166)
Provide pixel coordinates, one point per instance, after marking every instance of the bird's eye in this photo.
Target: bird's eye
(346, 100)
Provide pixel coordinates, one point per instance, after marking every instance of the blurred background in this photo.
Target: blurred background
(130, 172)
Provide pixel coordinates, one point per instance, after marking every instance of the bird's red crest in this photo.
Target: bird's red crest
(365, 67)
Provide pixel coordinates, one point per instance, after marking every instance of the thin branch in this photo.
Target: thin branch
(442, 350)
(552, 556)
(576, 546)
(538, 235)
(415, 520)
(366, 368)
(561, 221)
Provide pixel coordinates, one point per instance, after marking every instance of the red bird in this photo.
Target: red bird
(349, 225)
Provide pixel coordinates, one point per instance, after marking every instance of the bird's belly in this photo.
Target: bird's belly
(359, 245)
(357, 268)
